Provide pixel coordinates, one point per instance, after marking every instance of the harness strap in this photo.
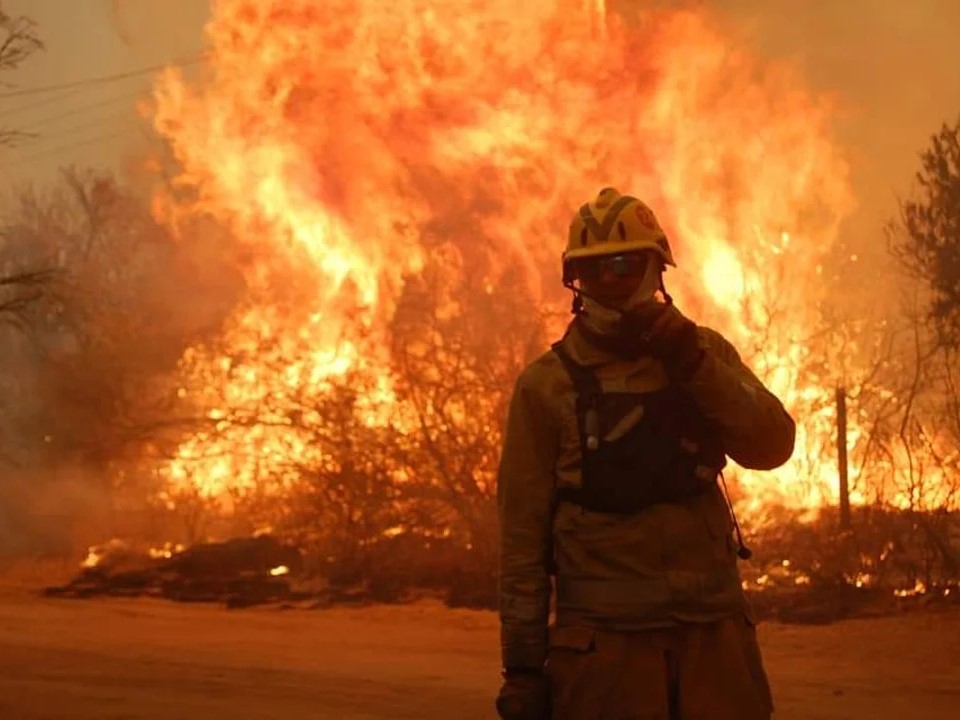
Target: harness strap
(588, 391)
(585, 383)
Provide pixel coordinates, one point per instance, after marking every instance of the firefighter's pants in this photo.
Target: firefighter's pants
(698, 671)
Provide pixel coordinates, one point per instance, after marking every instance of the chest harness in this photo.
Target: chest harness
(641, 449)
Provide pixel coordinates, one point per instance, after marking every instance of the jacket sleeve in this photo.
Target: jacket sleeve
(525, 490)
(758, 432)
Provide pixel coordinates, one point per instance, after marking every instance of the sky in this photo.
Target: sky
(893, 68)
(96, 124)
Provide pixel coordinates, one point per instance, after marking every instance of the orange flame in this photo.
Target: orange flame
(338, 140)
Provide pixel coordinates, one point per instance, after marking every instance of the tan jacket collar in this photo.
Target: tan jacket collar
(583, 351)
(642, 374)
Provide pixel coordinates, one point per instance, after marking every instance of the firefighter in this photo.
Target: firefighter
(610, 498)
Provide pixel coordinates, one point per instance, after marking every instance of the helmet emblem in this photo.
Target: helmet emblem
(645, 215)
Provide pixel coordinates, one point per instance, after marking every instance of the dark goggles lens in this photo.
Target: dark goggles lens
(628, 265)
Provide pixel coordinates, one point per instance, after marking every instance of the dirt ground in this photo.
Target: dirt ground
(153, 660)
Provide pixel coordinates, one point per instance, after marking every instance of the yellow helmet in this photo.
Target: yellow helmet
(613, 224)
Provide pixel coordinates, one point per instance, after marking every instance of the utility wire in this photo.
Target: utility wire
(101, 138)
(40, 103)
(72, 129)
(69, 89)
(32, 141)
(98, 80)
(50, 119)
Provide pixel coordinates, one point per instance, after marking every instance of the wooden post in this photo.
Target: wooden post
(842, 458)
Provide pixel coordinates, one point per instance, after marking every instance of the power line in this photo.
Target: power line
(98, 80)
(60, 98)
(71, 129)
(40, 103)
(33, 140)
(65, 148)
(49, 119)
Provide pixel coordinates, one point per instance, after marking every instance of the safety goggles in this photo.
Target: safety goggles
(627, 265)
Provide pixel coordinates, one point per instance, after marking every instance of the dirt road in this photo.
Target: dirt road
(146, 660)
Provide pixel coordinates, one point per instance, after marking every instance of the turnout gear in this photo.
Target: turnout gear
(711, 671)
(668, 453)
(607, 492)
(525, 695)
(668, 564)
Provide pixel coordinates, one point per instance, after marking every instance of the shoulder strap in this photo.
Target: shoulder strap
(585, 383)
(588, 391)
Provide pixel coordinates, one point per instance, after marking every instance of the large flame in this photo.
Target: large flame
(339, 140)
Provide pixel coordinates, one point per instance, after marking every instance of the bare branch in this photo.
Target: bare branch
(19, 292)
(18, 40)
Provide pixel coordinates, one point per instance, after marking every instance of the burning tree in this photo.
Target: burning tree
(356, 464)
(463, 330)
(925, 241)
(905, 445)
(440, 150)
(923, 446)
(398, 209)
(395, 210)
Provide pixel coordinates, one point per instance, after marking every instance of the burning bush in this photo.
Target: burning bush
(399, 210)
(362, 234)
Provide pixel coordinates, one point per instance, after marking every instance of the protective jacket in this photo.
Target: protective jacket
(657, 560)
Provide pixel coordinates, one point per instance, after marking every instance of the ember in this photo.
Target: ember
(832, 575)
(238, 572)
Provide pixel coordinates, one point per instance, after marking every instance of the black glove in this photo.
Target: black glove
(664, 332)
(525, 695)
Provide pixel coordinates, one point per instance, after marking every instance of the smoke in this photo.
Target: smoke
(88, 384)
(158, 28)
(54, 518)
(890, 70)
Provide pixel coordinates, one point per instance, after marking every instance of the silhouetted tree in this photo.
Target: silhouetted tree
(927, 236)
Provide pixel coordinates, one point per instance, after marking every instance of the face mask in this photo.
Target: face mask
(605, 320)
